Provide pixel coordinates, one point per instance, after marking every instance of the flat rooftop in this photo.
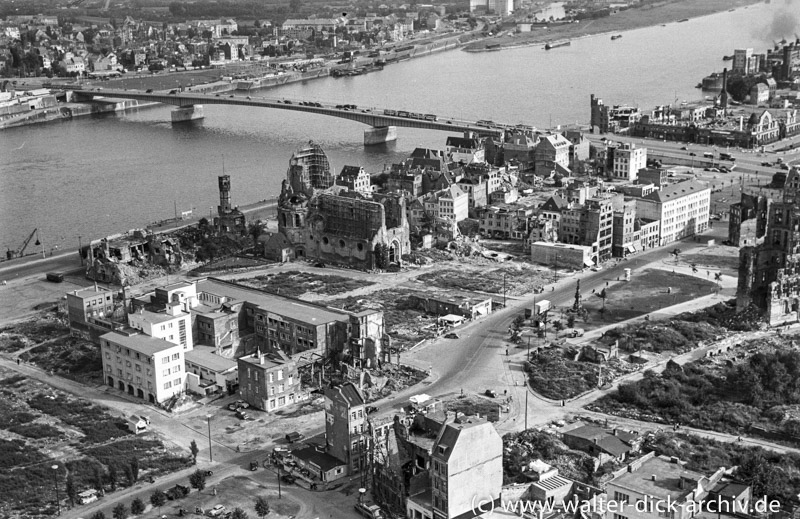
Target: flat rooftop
(205, 357)
(659, 478)
(83, 293)
(281, 305)
(140, 343)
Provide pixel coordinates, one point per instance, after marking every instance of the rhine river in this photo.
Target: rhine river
(98, 176)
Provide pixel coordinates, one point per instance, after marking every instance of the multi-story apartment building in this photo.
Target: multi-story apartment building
(172, 324)
(745, 62)
(354, 178)
(682, 209)
(145, 367)
(590, 224)
(506, 222)
(346, 428)
(465, 150)
(451, 203)
(552, 151)
(466, 461)
(87, 304)
(625, 236)
(654, 487)
(268, 382)
(628, 160)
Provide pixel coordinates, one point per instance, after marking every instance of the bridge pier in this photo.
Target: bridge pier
(187, 113)
(379, 135)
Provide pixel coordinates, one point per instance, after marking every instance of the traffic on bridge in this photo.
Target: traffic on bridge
(384, 122)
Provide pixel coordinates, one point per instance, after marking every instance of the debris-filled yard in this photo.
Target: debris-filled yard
(522, 448)
(516, 279)
(294, 283)
(405, 324)
(46, 326)
(748, 388)
(41, 424)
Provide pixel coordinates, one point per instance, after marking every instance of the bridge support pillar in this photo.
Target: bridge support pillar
(379, 135)
(187, 113)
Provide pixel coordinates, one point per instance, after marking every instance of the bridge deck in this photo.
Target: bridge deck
(371, 116)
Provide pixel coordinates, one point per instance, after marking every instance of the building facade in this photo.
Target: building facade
(268, 382)
(628, 160)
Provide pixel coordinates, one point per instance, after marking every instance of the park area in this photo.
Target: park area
(92, 449)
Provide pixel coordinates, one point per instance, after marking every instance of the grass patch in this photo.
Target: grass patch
(553, 376)
(36, 431)
(294, 283)
(14, 453)
(678, 336)
(71, 357)
(96, 424)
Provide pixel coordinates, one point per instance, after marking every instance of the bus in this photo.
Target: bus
(726, 156)
(708, 155)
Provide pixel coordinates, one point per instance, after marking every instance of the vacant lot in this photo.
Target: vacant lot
(760, 390)
(71, 357)
(46, 326)
(404, 324)
(294, 283)
(518, 280)
(647, 292)
(527, 446)
(42, 427)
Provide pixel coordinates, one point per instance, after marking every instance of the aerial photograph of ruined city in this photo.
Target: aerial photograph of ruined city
(319, 259)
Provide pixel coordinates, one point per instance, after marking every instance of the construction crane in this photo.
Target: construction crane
(11, 254)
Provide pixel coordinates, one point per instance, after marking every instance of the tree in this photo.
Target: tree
(255, 230)
(135, 468)
(98, 515)
(113, 478)
(72, 492)
(120, 512)
(128, 470)
(97, 477)
(295, 5)
(571, 321)
(558, 326)
(198, 480)
(676, 252)
(137, 506)
(238, 513)
(262, 507)
(158, 498)
(194, 449)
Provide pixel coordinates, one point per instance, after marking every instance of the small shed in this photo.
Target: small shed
(451, 320)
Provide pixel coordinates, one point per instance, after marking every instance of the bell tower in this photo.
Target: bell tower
(224, 195)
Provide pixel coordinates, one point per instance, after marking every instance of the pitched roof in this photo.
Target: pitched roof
(675, 191)
(554, 203)
(350, 393)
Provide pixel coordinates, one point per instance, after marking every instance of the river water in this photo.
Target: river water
(100, 175)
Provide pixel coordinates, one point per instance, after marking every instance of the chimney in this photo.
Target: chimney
(741, 122)
(595, 441)
(615, 431)
(653, 477)
(723, 96)
(261, 358)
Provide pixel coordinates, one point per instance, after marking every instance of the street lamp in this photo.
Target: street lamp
(55, 484)
(80, 249)
(210, 454)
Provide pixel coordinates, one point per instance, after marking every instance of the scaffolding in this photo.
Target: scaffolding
(311, 166)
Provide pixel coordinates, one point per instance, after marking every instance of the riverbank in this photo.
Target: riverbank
(649, 15)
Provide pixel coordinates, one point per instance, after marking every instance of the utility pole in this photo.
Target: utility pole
(526, 405)
(210, 455)
(504, 289)
(80, 249)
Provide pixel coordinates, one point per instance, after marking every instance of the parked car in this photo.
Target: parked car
(240, 414)
(767, 164)
(149, 91)
(253, 465)
(216, 510)
(368, 510)
(490, 393)
(288, 479)
(208, 473)
(451, 335)
(294, 437)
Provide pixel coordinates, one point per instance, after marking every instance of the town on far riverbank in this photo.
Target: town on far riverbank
(590, 18)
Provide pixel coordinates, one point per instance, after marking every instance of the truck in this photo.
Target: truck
(726, 156)
(369, 510)
(538, 309)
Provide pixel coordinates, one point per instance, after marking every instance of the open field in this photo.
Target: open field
(42, 427)
(294, 283)
(646, 16)
(44, 327)
(645, 293)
